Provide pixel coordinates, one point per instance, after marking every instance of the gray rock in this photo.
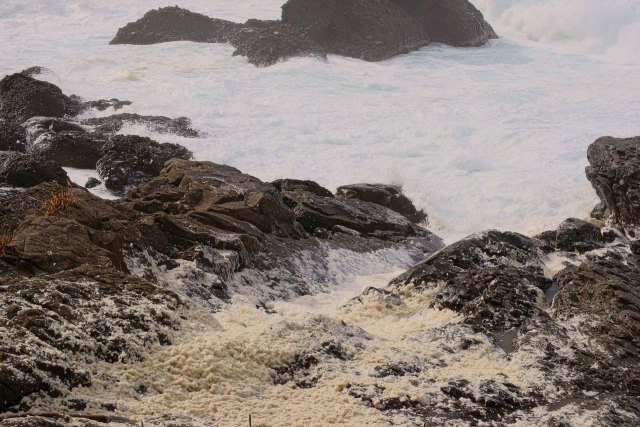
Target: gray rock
(390, 196)
(26, 170)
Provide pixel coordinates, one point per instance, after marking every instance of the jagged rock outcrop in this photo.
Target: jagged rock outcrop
(614, 172)
(390, 196)
(130, 160)
(23, 97)
(371, 30)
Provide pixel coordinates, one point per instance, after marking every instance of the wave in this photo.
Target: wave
(608, 28)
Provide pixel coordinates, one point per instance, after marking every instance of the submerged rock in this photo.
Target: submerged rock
(614, 172)
(131, 160)
(111, 125)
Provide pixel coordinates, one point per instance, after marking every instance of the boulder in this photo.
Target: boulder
(614, 172)
(170, 24)
(453, 22)
(111, 125)
(372, 30)
(390, 196)
(92, 182)
(23, 97)
(26, 170)
(131, 160)
(69, 149)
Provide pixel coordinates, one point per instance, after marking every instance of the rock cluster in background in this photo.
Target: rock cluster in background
(372, 30)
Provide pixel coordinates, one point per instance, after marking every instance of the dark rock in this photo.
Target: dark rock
(112, 124)
(25, 170)
(494, 278)
(372, 30)
(169, 24)
(69, 149)
(390, 196)
(614, 172)
(635, 247)
(577, 235)
(548, 237)
(131, 160)
(453, 22)
(104, 104)
(265, 46)
(313, 211)
(288, 185)
(23, 97)
(92, 183)
(36, 126)
(104, 315)
(12, 137)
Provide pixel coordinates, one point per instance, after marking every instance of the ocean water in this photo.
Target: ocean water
(490, 137)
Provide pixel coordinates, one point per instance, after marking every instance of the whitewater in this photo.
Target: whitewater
(490, 137)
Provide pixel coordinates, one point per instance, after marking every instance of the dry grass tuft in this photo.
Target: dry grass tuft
(58, 201)
(5, 238)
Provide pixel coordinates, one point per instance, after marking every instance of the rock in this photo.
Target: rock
(54, 324)
(635, 247)
(372, 30)
(577, 235)
(289, 185)
(92, 183)
(494, 278)
(614, 172)
(104, 104)
(390, 196)
(265, 46)
(26, 170)
(36, 126)
(23, 97)
(131, 160)
(603, 297)
(453, 22)
(169, 24)
(12, 137)
(69, 149)
(221, 190)
(111, 125)
(314, 211)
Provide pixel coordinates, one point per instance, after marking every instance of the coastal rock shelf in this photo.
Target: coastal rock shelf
(372, 30)
(204, 294)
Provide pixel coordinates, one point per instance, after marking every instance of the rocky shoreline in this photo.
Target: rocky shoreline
(498, 328)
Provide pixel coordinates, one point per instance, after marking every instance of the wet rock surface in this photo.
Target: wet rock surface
(111, 125)
(613, 170)
(77, 149)
(26, 170)
(130, 160)
(370, 30)
(390, 196)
